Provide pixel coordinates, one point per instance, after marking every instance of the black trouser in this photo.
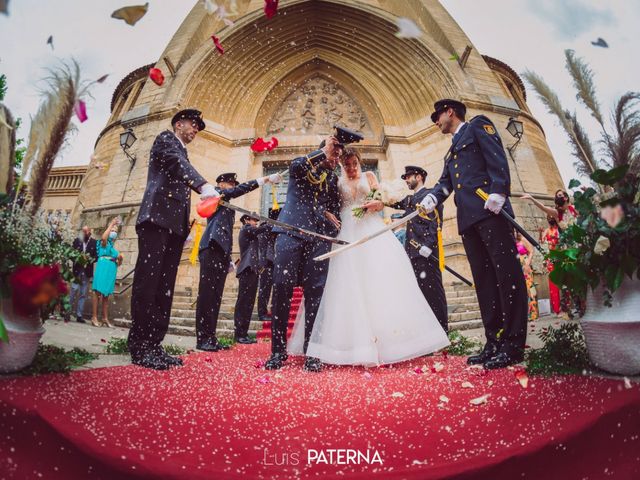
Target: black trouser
(429, 279)
(264, 291)
(159, 253)
(295, 265)
(247, 289)
(500, 286)
(214, 266)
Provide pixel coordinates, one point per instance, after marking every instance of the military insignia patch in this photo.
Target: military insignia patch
(489, 129)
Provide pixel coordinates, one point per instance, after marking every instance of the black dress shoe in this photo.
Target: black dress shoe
(80, 320)
(151, 360)
(276, 361)
(172, 361)
(312, 364)
(211, 346)
(489, 351)
(503, 360)
(246, 340)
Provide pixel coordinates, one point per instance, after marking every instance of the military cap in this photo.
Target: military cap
(441, 105)
(189, 114)
(246, 217)
(344, 136)
(413, 170)
(228, 177)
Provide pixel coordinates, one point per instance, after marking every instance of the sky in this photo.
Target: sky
(526, 34)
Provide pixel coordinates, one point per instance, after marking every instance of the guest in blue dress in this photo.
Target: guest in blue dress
(104, 277)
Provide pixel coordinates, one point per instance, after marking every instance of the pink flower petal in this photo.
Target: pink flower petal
(80, 110)
(270, 8)
(216, 42)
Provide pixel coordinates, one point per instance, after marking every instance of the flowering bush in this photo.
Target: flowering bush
(36, 258)
(603, 245)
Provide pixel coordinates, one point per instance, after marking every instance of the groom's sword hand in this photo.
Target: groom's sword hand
(286, 226)
(483, 195)
(391, 226)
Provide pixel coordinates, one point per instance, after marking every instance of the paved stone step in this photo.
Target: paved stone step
(190, 331)
(463, 307)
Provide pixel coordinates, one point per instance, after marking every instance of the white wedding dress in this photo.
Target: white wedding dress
(372, 311)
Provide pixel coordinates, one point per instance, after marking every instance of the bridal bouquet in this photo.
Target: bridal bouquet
(388, 193)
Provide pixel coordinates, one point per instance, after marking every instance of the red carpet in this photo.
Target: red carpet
(296, 302)
(222, 417)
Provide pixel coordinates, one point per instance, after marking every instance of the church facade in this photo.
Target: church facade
(315, 64)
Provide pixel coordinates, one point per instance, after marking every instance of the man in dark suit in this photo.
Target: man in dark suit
(82, 274)
(421, 244)
(313, 203)
(266, 255)
(476, 159)
(215, 255)
(247, 273)
(162, 228)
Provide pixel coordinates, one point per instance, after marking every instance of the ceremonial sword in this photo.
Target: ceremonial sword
(286, 226)
(483, 195)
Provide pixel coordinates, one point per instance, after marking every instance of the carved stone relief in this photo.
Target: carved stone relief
(316, 106)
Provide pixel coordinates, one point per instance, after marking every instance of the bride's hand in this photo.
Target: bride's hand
(373, 206)
(333, 219)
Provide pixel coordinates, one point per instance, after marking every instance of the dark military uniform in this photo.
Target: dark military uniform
(247, 274)
(423, 231)
(215, 256)
(162, 227)
(266, 255)
(312, 191)
(476, 159)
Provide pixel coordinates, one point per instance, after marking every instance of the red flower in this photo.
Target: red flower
(270, 8)
(33, 287)
(216, 42)
(157, 76)
(259, 145)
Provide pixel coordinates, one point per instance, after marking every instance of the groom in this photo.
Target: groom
(313, 203)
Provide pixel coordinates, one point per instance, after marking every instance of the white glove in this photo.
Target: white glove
(232, 267)
(262, 180)
(495, 202)
(208, 191)
(275, 178)
(425, 251)
(429, 203)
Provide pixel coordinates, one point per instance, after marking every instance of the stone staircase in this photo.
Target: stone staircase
(464, 312)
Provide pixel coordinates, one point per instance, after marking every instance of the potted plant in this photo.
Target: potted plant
(598, 257)
(35, 260)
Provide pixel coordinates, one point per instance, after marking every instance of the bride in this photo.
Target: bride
(372, 311)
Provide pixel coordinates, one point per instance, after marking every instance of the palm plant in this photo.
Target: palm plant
(620, 141)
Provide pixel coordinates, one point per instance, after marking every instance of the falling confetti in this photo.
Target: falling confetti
(600, 43)
(216, 42)
(102, 78)
(480, 400)
(466, 385)
(397, 395)
(270, 8)
(444, 399)
(407, 28)
(132, 14)
(157, 76)
(522, 377)
(259, 145)
(437, 367)
(454, 57)
(80, 109)
(50, 41)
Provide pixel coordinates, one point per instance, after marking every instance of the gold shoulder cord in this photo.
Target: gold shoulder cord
(440, 242)
(321, 180)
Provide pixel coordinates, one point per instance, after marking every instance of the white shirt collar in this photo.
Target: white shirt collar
(459, 127)
(180, 140)
(419, 189)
